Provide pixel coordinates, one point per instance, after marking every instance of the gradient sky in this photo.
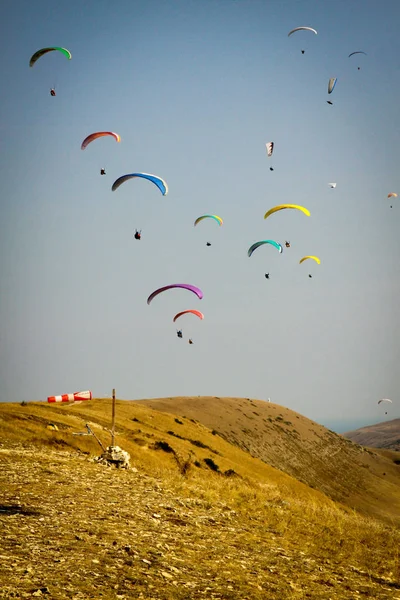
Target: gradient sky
(196, 89)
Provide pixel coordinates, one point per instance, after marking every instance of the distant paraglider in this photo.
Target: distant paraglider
(332, 185)
(287, 244)
(392, 195)
(357, 52)
(331, 86)
(270, 148)
(102, 172)
(35, 57)
(385, 400)
(302, 29)
(138, 235)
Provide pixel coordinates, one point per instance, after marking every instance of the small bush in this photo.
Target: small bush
(211, 464)
(163, 446)
(178, 421)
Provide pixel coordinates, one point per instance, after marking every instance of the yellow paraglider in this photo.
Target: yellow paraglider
(283, 206)
(317, 260)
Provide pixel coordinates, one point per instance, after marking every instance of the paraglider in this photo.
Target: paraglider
(332, 185)
(266, 275)
(138, 235)
(94, 136)
(185, 286)
(385, 400)
(287, 244)
(215, 217)
(270, 148)
(43, 51)
(302, 29)
(190, 341)
(197, 313)
(329, 102)
(331, 87)
(317, 260)
(160, 183)
(357, 52)
(102, 171)
(283, 206)
(392, 195)
(261, 243)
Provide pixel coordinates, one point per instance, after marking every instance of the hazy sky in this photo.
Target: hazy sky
(195, 89)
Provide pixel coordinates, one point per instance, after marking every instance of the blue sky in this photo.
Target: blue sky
(196, 89)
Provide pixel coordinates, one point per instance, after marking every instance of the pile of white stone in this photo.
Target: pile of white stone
(114, 456)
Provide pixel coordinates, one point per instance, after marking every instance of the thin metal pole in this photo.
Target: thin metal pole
(113, 418)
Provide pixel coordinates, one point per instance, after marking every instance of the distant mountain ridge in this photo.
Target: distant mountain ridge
(382, 435)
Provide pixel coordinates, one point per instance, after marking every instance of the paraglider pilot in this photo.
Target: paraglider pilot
(310, 275)
(102, 171)
(179, 333)
(287, 244)
(138, 234)
(190, 341)
(52, 92)
(267, 275)
(208, 244)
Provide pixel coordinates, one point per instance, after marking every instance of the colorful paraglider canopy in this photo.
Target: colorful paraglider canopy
(270, 148)
(331, 84)
(302, 29)
(261, 243)
(191, 311)
(392, 195)
(98, 134)
(160, 183)
(283, 206)
(185, 286)
(317, 260)
(43, 51)
(215, 217)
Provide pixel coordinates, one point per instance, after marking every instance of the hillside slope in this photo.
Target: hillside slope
(195, 517)
(284, 439)
(382, 435)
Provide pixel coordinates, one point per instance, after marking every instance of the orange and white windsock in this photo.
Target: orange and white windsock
(76, 397)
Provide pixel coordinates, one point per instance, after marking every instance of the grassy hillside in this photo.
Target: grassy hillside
(324, 460)
(382, 435)
(197, 516)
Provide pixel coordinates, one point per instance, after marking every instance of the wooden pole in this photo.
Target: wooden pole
(113, 418)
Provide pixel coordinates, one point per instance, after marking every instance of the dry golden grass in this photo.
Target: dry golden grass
(246, 530)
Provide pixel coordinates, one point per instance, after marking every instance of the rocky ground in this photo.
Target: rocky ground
(73, 528)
